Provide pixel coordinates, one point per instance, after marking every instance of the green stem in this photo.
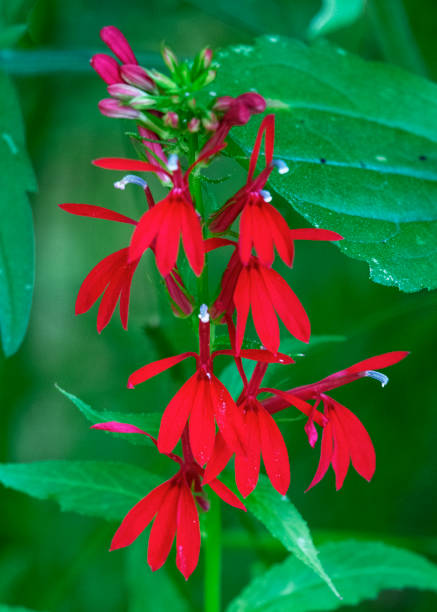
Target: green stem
(196, 193)
(213, 557)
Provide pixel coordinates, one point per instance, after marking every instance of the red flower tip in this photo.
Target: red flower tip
(118, 44)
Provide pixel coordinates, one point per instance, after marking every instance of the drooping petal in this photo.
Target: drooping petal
(128, 165)
(125, 292)
(226, 494)
(147, 229)
(280, 232)
(137, 519)
(110, 299)
(247, 223)
(164, 528)
(274, 452)
(341, 455)
(156, 367)
(96, 212)
(97, 280)
(312, 233)
(201, 426)
(326, 451)
(263, 313)
(118, 427)
(176, 415)
(258, 355)
(220, 457)
(192, 238)
(187, 533)
(297, 402)
(287, 305)
(266, 128)
(261, 235)
(376, 363)
(228, 417)
(242, 304)
(168, 236)
(247, 466)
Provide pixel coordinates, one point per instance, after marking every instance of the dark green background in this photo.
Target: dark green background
(59, 562)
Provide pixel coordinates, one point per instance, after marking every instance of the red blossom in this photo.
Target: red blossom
(173, 507)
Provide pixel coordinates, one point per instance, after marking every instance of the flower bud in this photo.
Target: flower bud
(206, 57)
(210, 122)
(204, 79)
(124, 92)
(170, 59)
(106, 67)
(137, 76)
(171, 119)
(118, 44)
(114, 108)
(193, 125)
(163, 81)
(143, 101)
(222, 104)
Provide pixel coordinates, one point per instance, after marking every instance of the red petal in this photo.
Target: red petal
(265, 356)
(287, 305)
(156, 367)
(97, 280)
(298, 403)
(202, 427)
(168, 236)
(226, 494)
(341, 454)
(110, 299)
(280, 233)
(176, 415)
(125, 292)
(267, 126)
(128, 165)
(163, 528)
(246, 233)
(263, 313)
(262, 236)
(219, 458)
(242, 304)
(210, 244)
(376, 363)
(96, 212)
(312, 233)
(118, 427)
(192, 239)
(137, 519)
(326, 451)
(274, 452)
(247, 466)
(147, 229)
(361, 449)
(188, 533)
(228, 417)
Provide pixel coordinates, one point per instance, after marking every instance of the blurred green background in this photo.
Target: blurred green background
(59, 562)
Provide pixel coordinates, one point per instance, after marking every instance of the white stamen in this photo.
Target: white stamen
(281, 166)
(173, 162)
(383, 379)
(130, 178)
(266, 195)
(204, 314)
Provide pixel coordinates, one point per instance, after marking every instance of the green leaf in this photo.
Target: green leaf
(360, 139)
(146, 422)
(360, 570)
(95, 488)
(4, 608)
(11, 35)
(16, 228)
(335, 14)
(285, 523)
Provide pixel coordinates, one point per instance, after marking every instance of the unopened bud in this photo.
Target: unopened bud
(137, 76)
(170, 59)
(171, 119)
(193, 125)
(206, 57)
(113, 108)
(106, 67)
(163, 81)
(191, 103)
(143, 101)
(123, 92)
(210, 122)
(222, 104)
(118, 44)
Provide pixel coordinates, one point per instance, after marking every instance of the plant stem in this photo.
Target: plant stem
(213, 557)
(196, 192)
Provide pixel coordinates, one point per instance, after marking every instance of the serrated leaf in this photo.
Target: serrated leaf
(360, 571)
(286, 524)
(147, 422)
(95, 488)
(360, 139)
(16, 229)
(335, 14)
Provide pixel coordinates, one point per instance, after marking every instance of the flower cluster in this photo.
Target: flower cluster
(211, 425)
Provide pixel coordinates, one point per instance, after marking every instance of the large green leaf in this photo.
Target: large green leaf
(16, 228)
(335, 14)
(285, 523)
(94, 488)
(361, 142)
(146, 422)
(360, 570)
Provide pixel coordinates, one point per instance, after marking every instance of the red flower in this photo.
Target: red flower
(172, 218)
(112, 277)
(344, 438)
(201, 400)
(173, 506)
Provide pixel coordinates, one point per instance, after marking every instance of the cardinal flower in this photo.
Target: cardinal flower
(202, 400)
(344, 437)
(174, 507)
(171, 219)
(263, 439)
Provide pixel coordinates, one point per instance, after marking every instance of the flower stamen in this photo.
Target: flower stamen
(382, 378)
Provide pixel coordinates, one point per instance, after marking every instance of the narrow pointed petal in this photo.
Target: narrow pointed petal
(247, 466)
(341, 455)
(226, 494)
(280, 233)
(267, 127)
(125, 292)
(312, 233)
(246, 234)
(219, 459)
(187, 533)
(201, 426)
(262, 236)
(118, 427)
(97, 280)
(156, 367)
(376, 363)
(242, 304)
(96, 212)
(263, 313)
(137, 519)
(163, 529)
(118, 44)
(168, 237)
(228, 417)
(298, 403)
(146, 230)
(287, 305)
(128, 165)
(192, 239)
(176, 416)
(258, 355)
(326, 451)
(109, 300)
(274, 452)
